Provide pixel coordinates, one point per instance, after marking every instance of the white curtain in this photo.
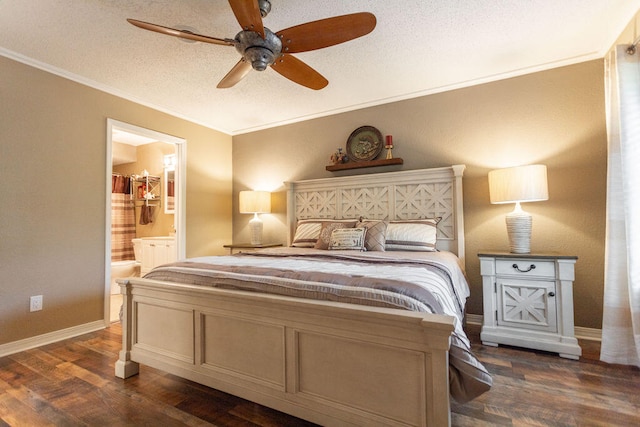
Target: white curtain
(621, 312)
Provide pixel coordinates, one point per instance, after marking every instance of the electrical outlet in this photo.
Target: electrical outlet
(35, 303)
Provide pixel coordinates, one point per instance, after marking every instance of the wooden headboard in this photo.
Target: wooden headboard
(413, 194)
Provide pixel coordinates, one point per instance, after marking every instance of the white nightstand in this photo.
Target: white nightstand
(528, 301)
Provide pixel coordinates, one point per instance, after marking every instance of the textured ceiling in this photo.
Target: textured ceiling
(418, 47)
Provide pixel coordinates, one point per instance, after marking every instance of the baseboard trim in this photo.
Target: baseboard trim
(581, 333)
(48, 338)
(590, 334)
(474, 319)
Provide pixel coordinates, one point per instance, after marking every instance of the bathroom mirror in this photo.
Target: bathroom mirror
(169, 190)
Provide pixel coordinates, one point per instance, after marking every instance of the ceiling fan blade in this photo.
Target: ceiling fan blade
(297, 71)
(248, 15)
(184, 34)
(326, 32)
(236, 74)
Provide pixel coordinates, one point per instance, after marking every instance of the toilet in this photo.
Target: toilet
(127, 268)
(137, 250)
(120, 270)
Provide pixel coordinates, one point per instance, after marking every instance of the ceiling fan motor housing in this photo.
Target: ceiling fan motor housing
(258, 51)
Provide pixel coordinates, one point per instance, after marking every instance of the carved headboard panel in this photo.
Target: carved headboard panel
(414, 194)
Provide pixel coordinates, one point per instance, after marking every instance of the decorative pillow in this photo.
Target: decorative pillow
(307, 233)
(327, 228)
(348, 239)
(376, 234)
(412, 235)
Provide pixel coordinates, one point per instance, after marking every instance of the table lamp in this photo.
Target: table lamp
(255, 202)
(517, 185)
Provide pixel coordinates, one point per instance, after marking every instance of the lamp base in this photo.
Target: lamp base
(255, 226)
(519, 227)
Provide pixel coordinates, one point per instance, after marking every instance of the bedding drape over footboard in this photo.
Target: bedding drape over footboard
(429, 283)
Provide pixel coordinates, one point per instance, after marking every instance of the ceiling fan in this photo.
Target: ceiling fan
(261, 48)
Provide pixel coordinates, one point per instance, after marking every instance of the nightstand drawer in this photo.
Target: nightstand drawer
(525, 267)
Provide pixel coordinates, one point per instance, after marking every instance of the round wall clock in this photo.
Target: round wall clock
(364, 143)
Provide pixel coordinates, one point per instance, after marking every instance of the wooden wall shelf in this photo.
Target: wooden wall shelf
(369, 164)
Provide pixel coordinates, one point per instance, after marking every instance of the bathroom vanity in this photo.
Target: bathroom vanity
(157, 251)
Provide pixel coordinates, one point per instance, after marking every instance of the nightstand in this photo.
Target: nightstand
(528, 301)
(248, 247)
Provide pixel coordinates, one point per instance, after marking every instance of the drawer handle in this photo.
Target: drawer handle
(552, 294)
(531, 267)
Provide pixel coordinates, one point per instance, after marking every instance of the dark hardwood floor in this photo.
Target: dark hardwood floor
(72, 383)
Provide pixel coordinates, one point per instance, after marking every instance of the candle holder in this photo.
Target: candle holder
(389, 146)
(389, 154)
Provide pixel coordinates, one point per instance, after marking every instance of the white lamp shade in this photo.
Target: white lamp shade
(255, 202)
(518, 184)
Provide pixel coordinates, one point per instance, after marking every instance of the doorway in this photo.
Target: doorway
(135, 135)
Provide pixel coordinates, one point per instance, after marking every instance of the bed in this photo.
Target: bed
(334, 341)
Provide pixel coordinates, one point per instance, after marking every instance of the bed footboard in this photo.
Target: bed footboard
(329, 363)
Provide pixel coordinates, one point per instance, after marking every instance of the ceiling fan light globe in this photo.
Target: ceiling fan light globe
(259, 57)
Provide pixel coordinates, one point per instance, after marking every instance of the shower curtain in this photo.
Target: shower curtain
(123, 219)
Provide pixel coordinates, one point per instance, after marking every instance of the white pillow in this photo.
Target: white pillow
(412, 235)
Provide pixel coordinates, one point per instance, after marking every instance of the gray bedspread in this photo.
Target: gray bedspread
(430, 282)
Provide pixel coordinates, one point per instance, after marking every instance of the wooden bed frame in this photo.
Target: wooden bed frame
(330, 363)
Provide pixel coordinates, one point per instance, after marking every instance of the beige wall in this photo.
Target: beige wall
(53, 195)
(554, 117)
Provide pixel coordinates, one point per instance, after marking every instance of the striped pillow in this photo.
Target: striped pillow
(412, 235)
(307, 233)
